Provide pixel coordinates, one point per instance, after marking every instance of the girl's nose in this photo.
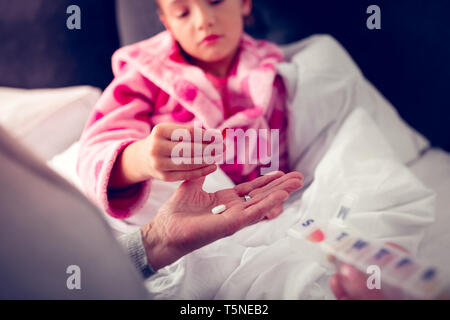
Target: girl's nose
(205, 17)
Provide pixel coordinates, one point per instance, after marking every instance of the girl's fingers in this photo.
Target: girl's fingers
(192, 149)
(188, 175)
(180, 164)
(171, 149)
(177, 133)
(246, 187)
(173, 131)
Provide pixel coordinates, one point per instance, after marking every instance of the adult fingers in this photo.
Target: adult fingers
(275, 212)
(354, 284)
(246, 187)
(238, 216)
(336, 287)
(288, 185)
(351, 283)
(297, 176)
(243, 214)
(259, 209)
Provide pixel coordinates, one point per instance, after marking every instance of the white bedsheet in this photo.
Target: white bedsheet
(433, 168)
(260, 262)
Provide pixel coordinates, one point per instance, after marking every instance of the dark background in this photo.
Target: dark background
(406, 60)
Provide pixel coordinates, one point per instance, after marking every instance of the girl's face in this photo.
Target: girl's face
(207, 30)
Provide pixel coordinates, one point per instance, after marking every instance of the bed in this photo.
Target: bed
(265, 249)
(65, 111)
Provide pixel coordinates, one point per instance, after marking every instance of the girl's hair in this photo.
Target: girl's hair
(249, 20)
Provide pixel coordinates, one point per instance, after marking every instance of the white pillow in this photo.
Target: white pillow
(47, 120)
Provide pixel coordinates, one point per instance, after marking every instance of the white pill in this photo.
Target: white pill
(219, 209)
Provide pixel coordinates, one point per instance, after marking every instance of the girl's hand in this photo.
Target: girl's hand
(159, 162)
(185, 222)
(153, 157)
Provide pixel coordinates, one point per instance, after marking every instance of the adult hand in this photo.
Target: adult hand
(351, 284)
(185, 222)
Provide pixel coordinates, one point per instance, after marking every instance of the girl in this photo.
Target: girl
(203, 68)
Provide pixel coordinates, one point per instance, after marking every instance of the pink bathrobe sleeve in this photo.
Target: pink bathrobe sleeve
(120, 118)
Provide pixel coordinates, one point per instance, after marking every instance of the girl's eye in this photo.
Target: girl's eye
(182, 14)
(213, 2)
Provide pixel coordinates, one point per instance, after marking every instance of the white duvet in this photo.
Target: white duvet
(261, 262)
(347, 140)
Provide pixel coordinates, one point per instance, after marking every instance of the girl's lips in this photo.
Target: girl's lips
(211, 38)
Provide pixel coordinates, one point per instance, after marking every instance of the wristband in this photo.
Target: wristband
(134, 246)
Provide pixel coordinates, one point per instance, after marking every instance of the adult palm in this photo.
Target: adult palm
(185, 222)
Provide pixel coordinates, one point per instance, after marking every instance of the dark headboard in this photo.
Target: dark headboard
(37, 50)
(407, 60)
